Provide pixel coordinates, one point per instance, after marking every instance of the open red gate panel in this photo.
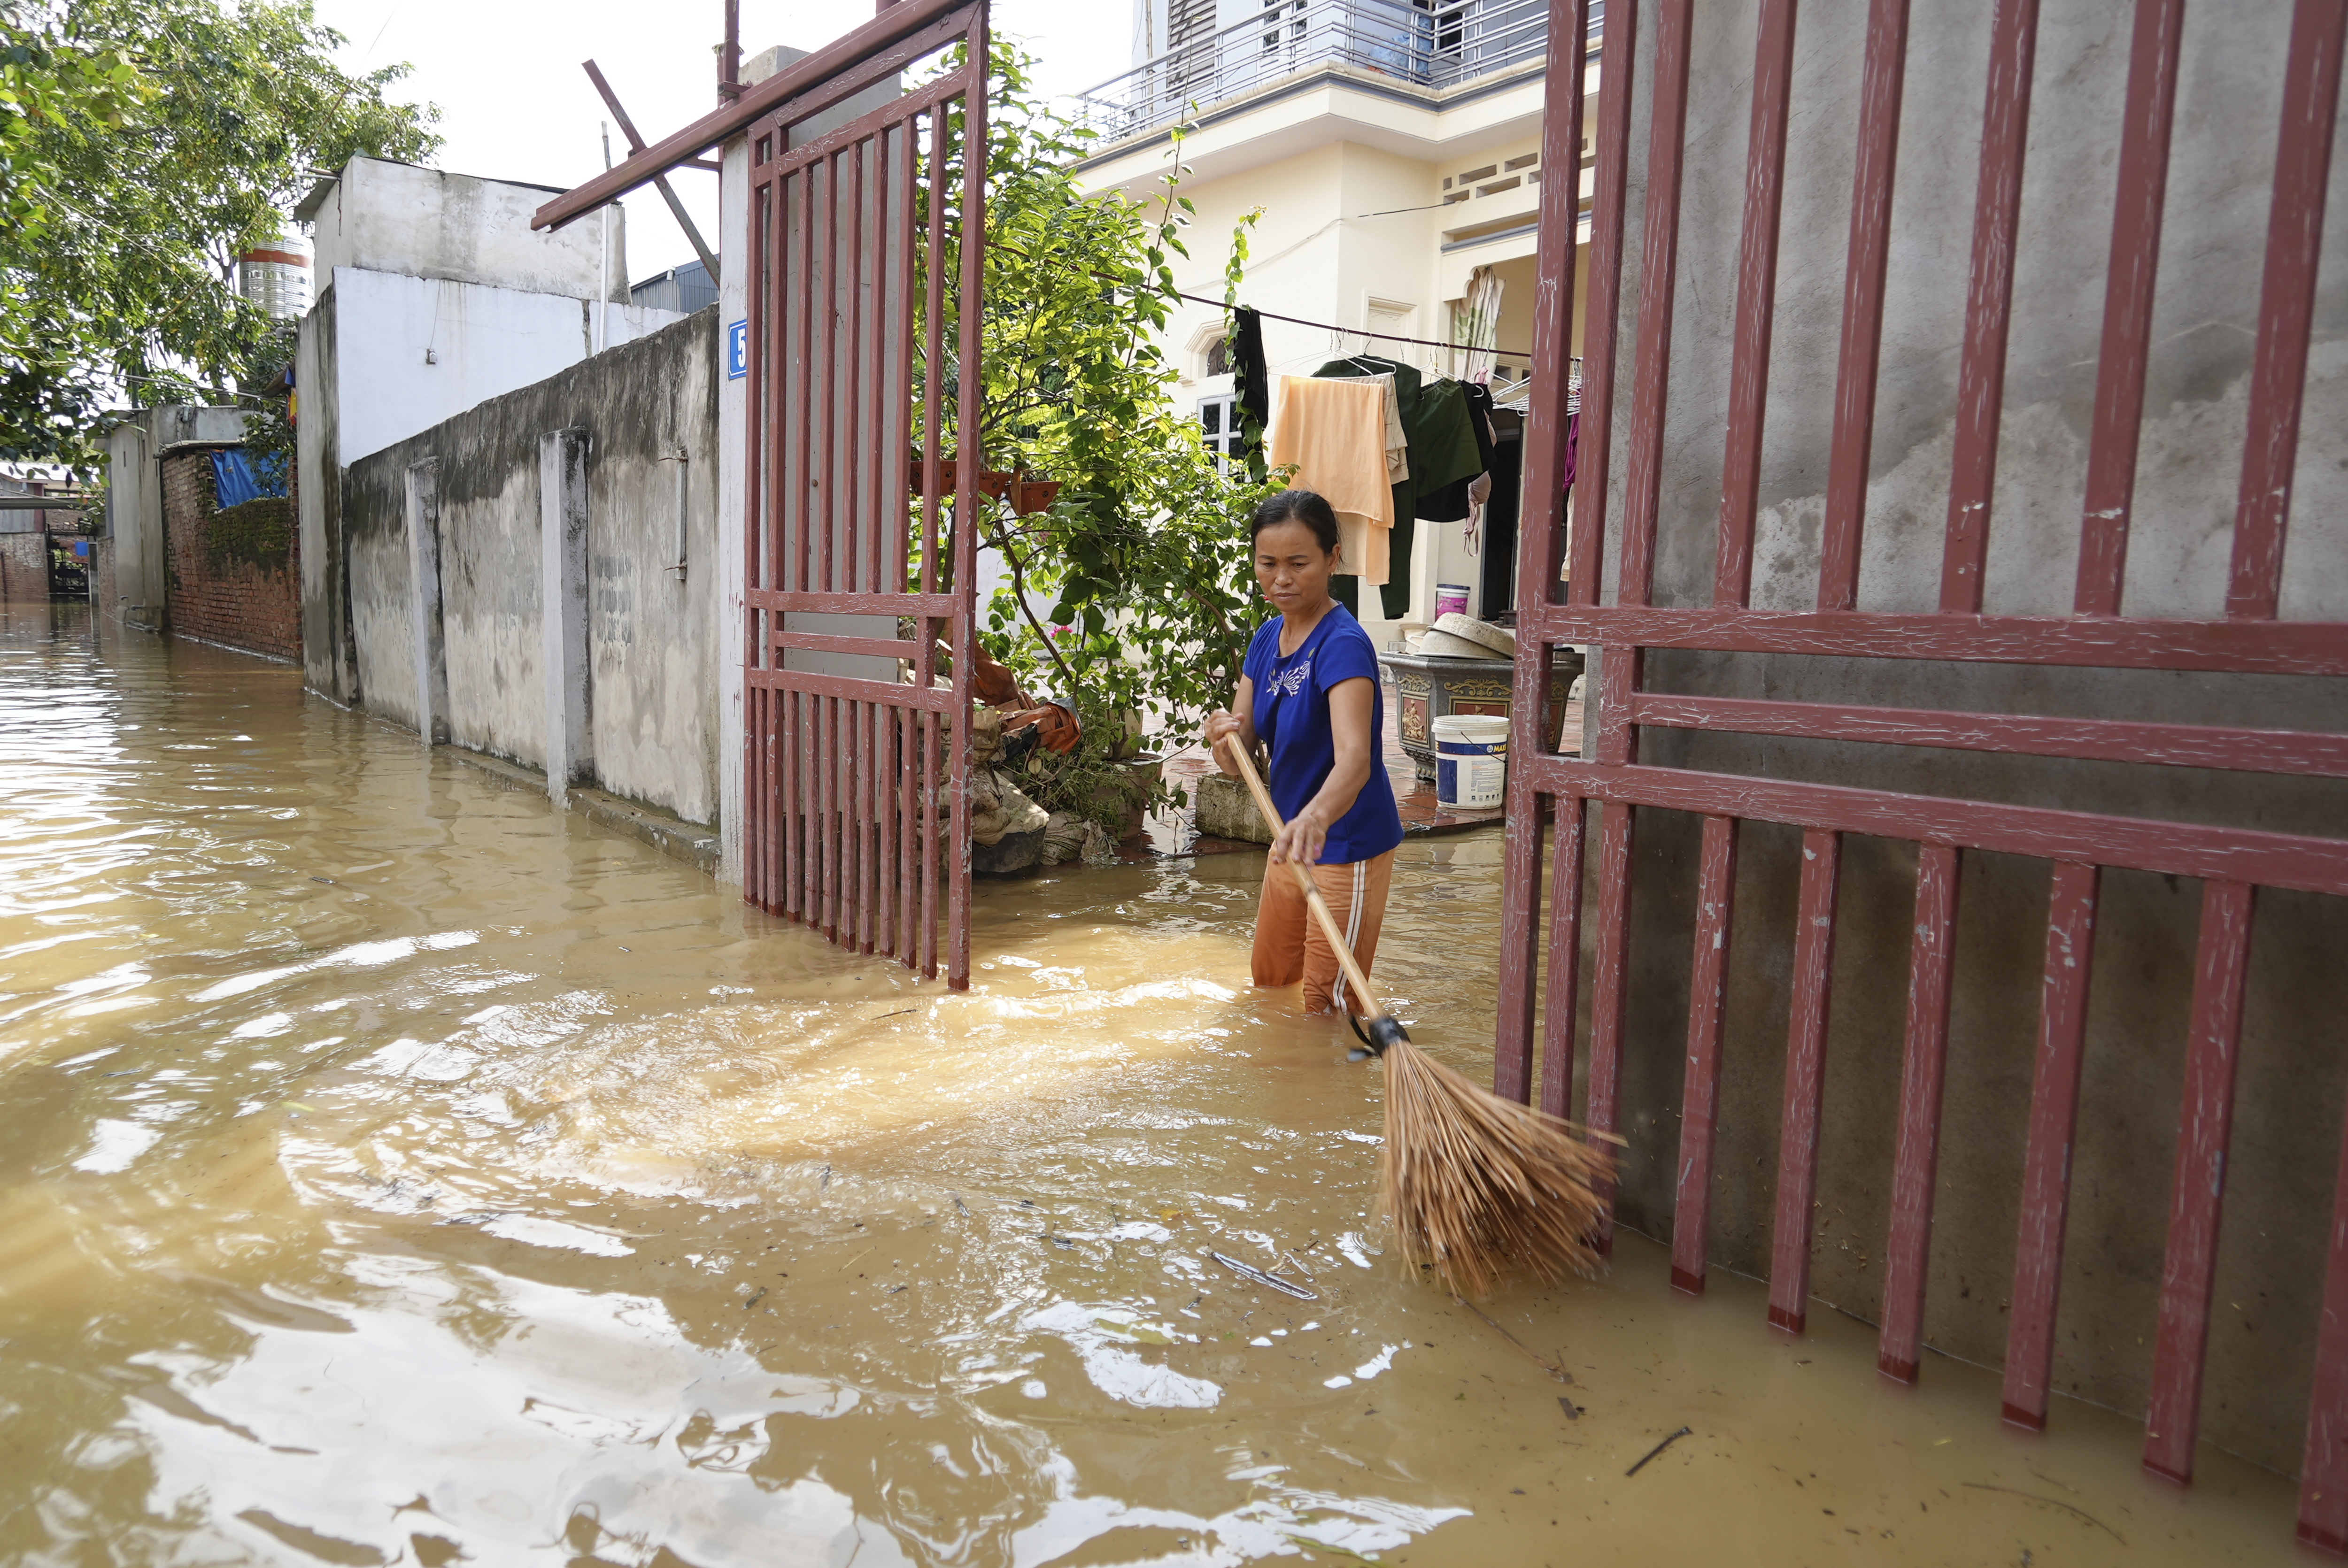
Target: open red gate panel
(864, 268)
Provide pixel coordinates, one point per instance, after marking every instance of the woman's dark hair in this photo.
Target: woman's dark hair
(1298, 507)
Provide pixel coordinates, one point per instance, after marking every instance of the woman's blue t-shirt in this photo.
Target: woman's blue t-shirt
(1292, 715)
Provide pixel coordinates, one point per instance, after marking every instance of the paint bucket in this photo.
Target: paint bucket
(1471, 762)
(1450, 599)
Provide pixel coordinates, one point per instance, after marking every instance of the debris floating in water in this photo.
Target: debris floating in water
(1256, 1276)
(1658, 1449)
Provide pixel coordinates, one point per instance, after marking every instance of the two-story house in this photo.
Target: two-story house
(1393, 149)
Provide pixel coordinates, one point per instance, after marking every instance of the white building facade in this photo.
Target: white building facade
(1393, 150)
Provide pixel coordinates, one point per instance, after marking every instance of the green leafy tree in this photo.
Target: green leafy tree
(143, 144)
(1132, 594)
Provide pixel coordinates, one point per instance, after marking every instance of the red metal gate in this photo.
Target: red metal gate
(858, 327)
(865, 252)
(1542, 977)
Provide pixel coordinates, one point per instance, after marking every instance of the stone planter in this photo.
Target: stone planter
(1431, 688)
(1226, 810)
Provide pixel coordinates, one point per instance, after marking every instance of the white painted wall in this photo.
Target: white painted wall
(414, 351)
(733, 416)
(387, 217)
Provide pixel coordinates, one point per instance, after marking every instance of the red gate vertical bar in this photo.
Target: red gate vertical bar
(968, 425)
(2127, 348)
(1564, 964)
(855, 376)
(1923, 1072)
(806, 827)
(769, 456)
(1658, 273)
(1805, 1061)
(1989, 305)
(825, 759)
(1862, 304)
(2311, 102)
(757, 868)
(1601, 326)
(907, 856)
(1536, 564)
(2047, 1165)
(868, 796)
(933, 482)
(829, 429)
(1700, 1091)
(1756, 300)
(1610, 969)
(2324, 1470)
(1620, 667)
(2190, 1270)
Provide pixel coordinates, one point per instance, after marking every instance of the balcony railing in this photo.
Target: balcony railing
(1437, 46)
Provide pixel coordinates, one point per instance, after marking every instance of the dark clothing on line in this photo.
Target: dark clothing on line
(1251, 374)
(1473, 403)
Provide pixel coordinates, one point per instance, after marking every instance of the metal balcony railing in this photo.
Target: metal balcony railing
(1438, 44)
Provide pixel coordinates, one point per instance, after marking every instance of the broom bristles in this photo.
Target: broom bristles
(1475, 1183)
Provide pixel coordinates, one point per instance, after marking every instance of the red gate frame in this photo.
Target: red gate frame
(2230, 863)
(840, 826)
(838, 799)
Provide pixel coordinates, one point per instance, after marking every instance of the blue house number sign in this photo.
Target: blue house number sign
(737, 351)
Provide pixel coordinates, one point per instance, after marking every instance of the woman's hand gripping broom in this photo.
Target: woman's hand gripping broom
(1472, 1183)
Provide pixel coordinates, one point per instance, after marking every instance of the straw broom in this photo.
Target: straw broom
(1471, 1182)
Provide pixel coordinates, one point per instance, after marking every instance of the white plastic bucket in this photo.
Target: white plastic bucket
(1450, 599)
(1471, 762)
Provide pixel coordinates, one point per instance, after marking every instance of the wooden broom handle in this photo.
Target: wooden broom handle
(1312, 890)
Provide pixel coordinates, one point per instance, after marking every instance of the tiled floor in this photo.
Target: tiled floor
(1175, 834)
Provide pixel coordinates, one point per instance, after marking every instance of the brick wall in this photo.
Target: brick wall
(235, 577)
(24, 569)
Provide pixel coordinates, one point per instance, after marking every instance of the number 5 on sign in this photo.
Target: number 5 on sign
(737, 351)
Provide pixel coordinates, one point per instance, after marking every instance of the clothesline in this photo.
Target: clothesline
(1353, 332)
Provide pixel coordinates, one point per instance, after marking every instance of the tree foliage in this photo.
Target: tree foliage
(143, 144)
(1133, 593)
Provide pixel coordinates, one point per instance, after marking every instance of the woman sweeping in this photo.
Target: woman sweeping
(1309, 689)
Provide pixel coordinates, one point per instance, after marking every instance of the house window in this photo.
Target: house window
(1219, 420)
(1219, 357)
(1273, 11)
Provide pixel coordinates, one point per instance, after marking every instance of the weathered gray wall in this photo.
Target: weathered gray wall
(2293, 1078)
(653, 638)
(328, 665)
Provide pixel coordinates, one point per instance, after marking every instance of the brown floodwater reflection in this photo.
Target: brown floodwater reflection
(392, 1169)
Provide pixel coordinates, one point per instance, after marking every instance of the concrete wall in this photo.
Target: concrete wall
(136, 447)
(465, 504)
(328, 659)
(219, 589)
(2293, 1079)
(385, 217)
(415, 350)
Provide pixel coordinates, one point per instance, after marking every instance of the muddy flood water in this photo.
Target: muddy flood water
(392, 1169)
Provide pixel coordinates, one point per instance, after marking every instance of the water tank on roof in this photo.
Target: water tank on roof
(276, 277)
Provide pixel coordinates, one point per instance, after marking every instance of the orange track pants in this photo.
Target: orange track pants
(1289, 943)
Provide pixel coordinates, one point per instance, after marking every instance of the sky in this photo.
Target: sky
(515, 104)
